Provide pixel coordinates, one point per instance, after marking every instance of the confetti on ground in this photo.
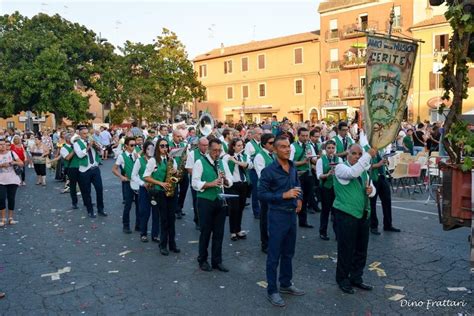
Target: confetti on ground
(263, 284)
(374, 266)
(56, 275)
(175, 281)
(381, 273)
(114, 271)
(222, 287)
(321, 257)
(126, 252)
(193, 242)
(394, 287)
(396, 297)
(457, 289)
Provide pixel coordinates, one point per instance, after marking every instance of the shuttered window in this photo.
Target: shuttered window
(298, 56)
(245, 64)
(261, 61)
(441, 42)
(230, 93)
(435, 83)
(228, 67)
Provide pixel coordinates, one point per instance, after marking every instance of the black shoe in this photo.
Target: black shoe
(155, 239)
(164, 251)
(178, 216)
(306, 225)
(204, 266)
(126, 230)
(91, 215)
(324, 237)
(144, 238)
(392, 229)
(137, 229)
(265, 250)
(74, 207)
(175, 250)
(220, 267)
(183, 214)
(346, 289)
(375, 231)
(276, 299)
(247, 204)
(197, 227)
(363, 286)
(292, 290)
(102, 213)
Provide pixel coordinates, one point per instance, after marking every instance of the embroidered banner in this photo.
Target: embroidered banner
(390, 64)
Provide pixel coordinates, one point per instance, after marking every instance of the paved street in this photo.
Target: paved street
(100, 270)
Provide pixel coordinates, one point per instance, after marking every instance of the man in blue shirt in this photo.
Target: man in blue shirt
(279, 186)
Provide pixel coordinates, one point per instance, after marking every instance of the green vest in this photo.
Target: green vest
(197, 154)
(209, 175)
(159, 174)
(329, 182)
(340, 145)
(137, 149)
(376, 172)
(266, 157)
(74, 162)
(351, 198)
(142, 169)
(128, 165)
(84, 161)
(231, 164)
(225, 147)
(300, 155)
(256, 146)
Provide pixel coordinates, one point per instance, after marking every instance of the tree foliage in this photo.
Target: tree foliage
(42, 59)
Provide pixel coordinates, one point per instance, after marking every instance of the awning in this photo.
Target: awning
(257, 111)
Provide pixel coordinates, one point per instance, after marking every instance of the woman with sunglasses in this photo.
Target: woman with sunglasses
(155, 174)
(144, 206)
(238, 163)
(9, 182)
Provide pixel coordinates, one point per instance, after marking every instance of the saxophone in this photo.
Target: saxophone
(170, 178)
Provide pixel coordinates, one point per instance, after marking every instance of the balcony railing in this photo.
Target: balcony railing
(354, 30)
(397, 24)
(333, 94)
(332, 66)
(353, 93)
(332, 35)
(353, 62)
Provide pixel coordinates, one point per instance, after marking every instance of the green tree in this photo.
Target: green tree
(42, 60)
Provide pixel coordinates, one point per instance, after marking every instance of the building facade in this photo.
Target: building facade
(427, 79)
(253, 81)
(343, 46)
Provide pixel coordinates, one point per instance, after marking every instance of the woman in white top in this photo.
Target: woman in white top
(238, 163)
(9, 182)
(39, 151)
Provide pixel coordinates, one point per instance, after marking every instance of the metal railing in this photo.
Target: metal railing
(332, 35)
(397, 23)
(333, 65)
(353, 62)
(354, 30)
(332, 94)
(353, 93)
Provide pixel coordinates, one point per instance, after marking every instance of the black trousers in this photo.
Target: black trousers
(73, 176)
(86, 180)
(167, 209)
(183, 190)
(315, 195)
(327, 197)
(8, 192)
(212, 220)
(383, 191)
(306, 182)
(195, 206)
(352, 243)
(264, 224)
(130, 198)
(236, 206)
(40, 169)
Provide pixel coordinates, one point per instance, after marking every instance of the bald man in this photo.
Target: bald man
(193, 156)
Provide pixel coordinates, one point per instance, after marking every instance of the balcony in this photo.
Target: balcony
(332, 36)
(352, 93)
(397, 24)
(333, 95)
(333, 66)
(353, 62)
(354, 30)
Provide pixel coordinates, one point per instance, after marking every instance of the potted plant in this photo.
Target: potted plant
(455, 204)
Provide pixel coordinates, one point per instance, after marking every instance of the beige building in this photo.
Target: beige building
(256, 80)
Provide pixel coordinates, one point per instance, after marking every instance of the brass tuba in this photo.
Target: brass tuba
(205, 124)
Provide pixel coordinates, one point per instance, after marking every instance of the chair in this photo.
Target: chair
(414, 173)
(400, 173)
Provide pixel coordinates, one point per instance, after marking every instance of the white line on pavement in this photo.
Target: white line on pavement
(411, 210)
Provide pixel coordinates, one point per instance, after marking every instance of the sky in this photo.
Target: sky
(200, 25)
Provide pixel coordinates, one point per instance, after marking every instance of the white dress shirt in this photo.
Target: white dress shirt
(196, 181)
(236, 174)
(345, 174)
(136, 181)
(259, 162)
(319, 166)
(81, 153)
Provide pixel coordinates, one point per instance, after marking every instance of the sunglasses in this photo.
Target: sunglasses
(164, 146)
(131, 145)
(271, 143)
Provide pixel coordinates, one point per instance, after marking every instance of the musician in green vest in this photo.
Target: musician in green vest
(89, 172)
(72, 168)
(315, 198)
(138, 184)
(193, 156)
(353, 188)
(262, 160)
(378, 174)
(251, 149)
(164, 133)
(325, 173)
(155, 175)
(176, 143)
(343, 141)
(210, 176)
(303, 156)
(123, 170)
(226, 139)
